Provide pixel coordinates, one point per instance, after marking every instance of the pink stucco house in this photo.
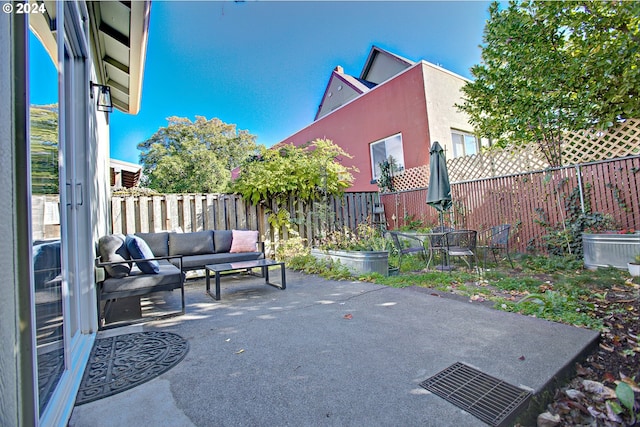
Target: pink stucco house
(396, 107)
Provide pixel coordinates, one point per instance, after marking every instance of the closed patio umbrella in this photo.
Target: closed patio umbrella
(439, 193)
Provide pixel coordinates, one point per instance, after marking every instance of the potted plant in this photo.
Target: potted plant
(634, 266)
(363, 251)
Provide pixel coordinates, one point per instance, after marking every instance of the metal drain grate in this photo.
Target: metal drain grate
(483, 396)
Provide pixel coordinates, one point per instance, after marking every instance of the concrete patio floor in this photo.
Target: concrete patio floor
(332, 353)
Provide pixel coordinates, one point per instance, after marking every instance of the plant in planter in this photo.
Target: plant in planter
(634, 266)
(607, 247)
(363, 251)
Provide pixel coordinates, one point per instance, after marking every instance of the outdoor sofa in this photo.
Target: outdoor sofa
(145, 263)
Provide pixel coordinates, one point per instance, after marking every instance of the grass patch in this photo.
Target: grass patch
(553, 288)
(521, 284)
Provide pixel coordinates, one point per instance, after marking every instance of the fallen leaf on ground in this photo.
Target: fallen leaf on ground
(612, 412)
(608, 376)
(634, 386)
(546, 419)
(599, 389)
(240, 351)
(607, 348)
(574, 394)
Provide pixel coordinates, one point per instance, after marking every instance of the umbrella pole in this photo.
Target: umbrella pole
(443, 254)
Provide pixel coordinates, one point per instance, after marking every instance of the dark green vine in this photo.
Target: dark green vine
(617, 195)
(385, 180)
(566, 238)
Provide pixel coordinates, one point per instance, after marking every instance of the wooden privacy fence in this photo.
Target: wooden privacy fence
(196, 212)
(610, 187)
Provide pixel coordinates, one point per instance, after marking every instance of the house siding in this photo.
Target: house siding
(443, 91)
(397, 106)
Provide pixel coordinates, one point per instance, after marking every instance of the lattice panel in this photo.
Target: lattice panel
(411, 178)
(495, 163)
(592, 145)
(579, 147)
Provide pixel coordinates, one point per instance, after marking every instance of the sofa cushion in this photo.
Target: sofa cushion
(222, 240)
(158, 242)
(200, 242)
(112, 248)
(197, 262)
(139, 283)
(244, 241)
(140, 251)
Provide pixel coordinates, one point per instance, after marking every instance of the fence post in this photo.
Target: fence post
(579, 175)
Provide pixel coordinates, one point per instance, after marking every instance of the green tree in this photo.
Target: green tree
(308, 172)
(194, 157)
(550, 67)
(44, 149)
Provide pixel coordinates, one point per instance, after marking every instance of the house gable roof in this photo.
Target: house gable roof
(381, 65)
(341, 89)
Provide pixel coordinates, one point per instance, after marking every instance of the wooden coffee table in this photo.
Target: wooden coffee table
(263, 264)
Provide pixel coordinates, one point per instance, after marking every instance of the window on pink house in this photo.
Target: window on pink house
(389, 149)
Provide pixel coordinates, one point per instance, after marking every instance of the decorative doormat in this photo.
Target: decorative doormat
(122, 362)
(492, 400)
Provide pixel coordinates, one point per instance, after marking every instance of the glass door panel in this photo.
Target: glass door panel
(45, 201)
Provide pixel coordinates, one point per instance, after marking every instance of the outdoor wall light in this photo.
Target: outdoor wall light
(103, 102)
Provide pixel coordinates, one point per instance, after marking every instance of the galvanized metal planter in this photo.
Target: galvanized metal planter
(616, 250)
(358, 262)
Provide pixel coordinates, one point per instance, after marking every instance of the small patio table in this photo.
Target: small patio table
(263, 264)
(428, 240)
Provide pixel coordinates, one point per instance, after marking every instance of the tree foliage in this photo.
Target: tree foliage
(194, 157)
(44, 149)
(307, 172)
(549, 67)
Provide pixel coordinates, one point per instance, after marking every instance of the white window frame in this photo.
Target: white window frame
(393, 147)
(460, 149)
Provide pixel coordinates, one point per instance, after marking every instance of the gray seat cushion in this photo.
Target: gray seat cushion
(139, 283)
(197, 243)
(158, 242)
(112, 248)
(197, 262)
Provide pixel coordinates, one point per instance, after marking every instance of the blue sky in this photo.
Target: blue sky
(264, 65)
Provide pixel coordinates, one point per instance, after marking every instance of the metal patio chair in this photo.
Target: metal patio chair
(437, 242)
(496, 239)
(462, 243)
(407, 244)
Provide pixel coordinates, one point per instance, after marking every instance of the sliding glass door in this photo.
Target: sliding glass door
(46, 220)
(64, 302)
